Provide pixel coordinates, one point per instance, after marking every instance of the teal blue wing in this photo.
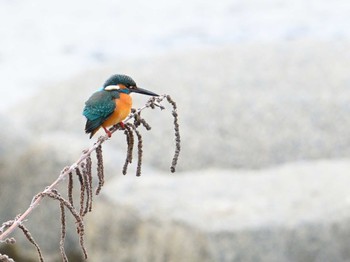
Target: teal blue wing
(97, 109)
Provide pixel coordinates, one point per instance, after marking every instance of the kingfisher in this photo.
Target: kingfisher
(111, 104)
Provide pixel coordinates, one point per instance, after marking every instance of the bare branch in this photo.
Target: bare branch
(85, 178)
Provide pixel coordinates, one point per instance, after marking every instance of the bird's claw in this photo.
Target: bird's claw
(122, 125)
(109, 134)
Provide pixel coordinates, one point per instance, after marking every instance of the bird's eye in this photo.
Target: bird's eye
(112, 87)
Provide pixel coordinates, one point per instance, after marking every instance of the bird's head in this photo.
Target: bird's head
(124, 84)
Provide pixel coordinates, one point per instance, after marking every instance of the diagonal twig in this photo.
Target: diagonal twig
(152, 102)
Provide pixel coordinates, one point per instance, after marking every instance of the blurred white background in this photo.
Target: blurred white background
(43, 41)
(263, 93)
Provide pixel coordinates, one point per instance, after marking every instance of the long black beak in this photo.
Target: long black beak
(143, 91)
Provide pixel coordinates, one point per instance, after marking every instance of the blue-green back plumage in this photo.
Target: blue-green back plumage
(98, 108)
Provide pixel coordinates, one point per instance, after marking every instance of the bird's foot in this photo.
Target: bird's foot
(119, 125)
(122, 125)
(107, 132)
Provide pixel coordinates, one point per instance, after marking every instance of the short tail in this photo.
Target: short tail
(92, 127)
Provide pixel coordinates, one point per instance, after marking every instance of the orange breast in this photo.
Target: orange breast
(122, 110)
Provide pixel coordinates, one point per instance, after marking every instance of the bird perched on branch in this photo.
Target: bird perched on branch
(112, 104)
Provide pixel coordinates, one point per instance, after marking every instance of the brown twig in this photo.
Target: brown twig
(130, 143)
(31, 240)
(100, 173)
(63, 232)
(79, 220)
(138, 120)
(70, 188)
(177, 134)
(88, 174)
(82, 190)
(139, 150)
(87, 188)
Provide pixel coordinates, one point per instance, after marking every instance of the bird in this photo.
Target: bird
(111, 104)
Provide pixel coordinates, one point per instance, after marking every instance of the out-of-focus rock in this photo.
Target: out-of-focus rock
(13, 137)
(296, 212)
(13, 140)
(242, 106)
(122, 235)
